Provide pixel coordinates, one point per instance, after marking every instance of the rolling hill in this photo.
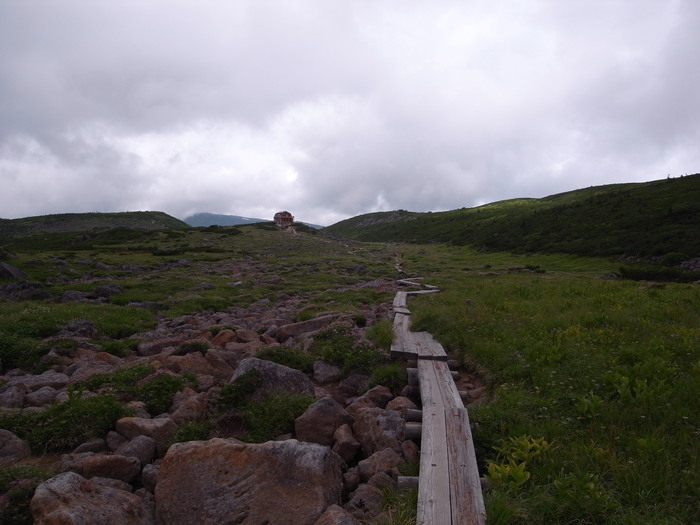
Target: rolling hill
(645, 219)
(78, 222)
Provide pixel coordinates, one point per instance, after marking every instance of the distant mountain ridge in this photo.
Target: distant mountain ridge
(72, 222)
(646, 219)
(199, 220)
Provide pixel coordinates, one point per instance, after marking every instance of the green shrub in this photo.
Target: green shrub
(235, 395)
(120, 381)
(191, 347)
(273, 416)
(158, 392)
(337, 346)
(291, 357)
(65, 425)
(381, 334)
(17, 485)
(390, 375)
(193, 431)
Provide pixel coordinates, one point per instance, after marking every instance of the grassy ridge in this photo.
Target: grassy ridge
(647, 219)
(73, 222)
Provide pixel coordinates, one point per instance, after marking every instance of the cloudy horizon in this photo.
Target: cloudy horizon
(334, 109)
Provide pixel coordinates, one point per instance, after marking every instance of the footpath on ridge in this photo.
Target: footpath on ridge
(449, 489)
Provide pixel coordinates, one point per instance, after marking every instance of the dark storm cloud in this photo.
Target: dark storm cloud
(334, 109)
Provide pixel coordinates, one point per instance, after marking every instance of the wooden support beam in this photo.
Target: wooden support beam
(413, 430)
(408, 482)
(413, 414)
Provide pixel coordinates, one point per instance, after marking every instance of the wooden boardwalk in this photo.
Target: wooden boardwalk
(449, 490)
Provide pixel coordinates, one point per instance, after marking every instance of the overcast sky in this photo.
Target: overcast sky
(331, 109)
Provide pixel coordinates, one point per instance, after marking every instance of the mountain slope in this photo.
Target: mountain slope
(72, 222)
(651, 218)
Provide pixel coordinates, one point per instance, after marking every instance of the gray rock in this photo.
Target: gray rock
(149, 477)
(160, 429)
(94, 445)
(275, 378)
(354, 384)
(337, 515)
(365, 503)
(70, 499)
(286, 331)
(12, 448)
(346, 446)
(142, 448)
(49, 378)
(13, 396)
(113, 466)
(7, 270)
(377, 429)
(320, 421)
(382, 461)
(79, 328)
(42, 397)
(326, 373)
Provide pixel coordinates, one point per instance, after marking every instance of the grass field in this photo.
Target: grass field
(594, 384)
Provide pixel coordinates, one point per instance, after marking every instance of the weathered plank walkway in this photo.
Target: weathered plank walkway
(449, 490)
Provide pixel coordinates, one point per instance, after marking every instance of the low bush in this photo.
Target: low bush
(291, 357)
(390, 375)
(235, 395)
(158, 392)
(17, 485)
(65, 425)
(193, 431)
(273, 416)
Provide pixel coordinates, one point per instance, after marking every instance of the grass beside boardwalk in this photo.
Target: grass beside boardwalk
(595, 385)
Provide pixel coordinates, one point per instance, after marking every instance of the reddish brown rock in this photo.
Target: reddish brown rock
(320, 421)
(89, 464)
(346, 446)
(12, 448)
(383, 461)
(337, 515)
(70, 499)
(226, 481)
(377, 429)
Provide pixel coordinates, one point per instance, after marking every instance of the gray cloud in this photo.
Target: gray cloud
(335, 109)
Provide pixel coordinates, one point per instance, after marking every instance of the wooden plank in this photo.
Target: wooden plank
(400, 299)
(466, 498)
(433, 485)
(401, 346)
(420, 292)
(401, 310)
(427, 347)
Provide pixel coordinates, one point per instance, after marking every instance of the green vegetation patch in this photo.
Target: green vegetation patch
(273, 416)
(17, 486)
(65, 425)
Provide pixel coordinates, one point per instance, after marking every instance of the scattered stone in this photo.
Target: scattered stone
(354, 384)
(142, 448)
(42, 397)
(377, 397)
(346, 446)
(336, 515)
(382, 461)
(149, 477)
(114, 440)
(401, 404)
(93, 445)
(320, 421)
(377, 429)
(275, 378)
(113, 466)
(188, 405)
(160, 429)
(365, 502)
(12, 448)
(13, 396)
(326, 373)
(7, 270)
(221, 481)
(286, 331)
(70, 499)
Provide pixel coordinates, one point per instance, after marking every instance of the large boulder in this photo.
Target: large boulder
(7, 270)
(337, 515)
(320, 421)
(226, 481)
(275, 378)
(70, 499)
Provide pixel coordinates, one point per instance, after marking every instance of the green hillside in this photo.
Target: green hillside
(73, 222)
(646, 219)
